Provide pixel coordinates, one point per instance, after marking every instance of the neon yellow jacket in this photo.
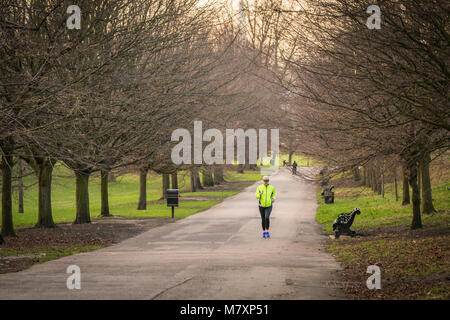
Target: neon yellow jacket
(265, 194)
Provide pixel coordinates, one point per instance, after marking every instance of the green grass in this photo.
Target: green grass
(123, 196)
(123, 199)
(412, 256)
(211, 194)
(47, 253)
(302, 160)
(436, 293)
(159, 209)
(41, 254)
(401, 257)
(246, 176)
(377, 211)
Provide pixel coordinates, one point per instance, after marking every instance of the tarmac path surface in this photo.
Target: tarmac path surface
(215, 254)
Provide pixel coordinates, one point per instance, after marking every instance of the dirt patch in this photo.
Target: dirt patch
(35, 245)
(414, 264)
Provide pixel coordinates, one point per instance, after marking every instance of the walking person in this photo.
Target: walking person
(265, 193)
(294, 168)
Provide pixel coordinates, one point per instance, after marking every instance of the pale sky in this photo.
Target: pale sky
(235, 3)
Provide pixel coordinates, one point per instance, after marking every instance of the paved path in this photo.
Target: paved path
(215, 254)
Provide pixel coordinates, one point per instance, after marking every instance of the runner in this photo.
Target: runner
(265, 193)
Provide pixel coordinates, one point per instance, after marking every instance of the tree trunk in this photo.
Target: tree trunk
(211, 176)
(193, 184)
(174, 180)
(198, 183)
(218, 175)
(395, 183)
(104, 194)
(44, 170)
(369, 176)
(406, 200)
(165, 184)
(379, 180)
(427, 199)
(419, 183)
(20, 178)
(356, 174)
(207, 177)
(376, 183)
(412, 178)
(82, 197)
(247, 155)
(142, 205)
(291, 153)
(382, 183)
(7, 217)
(364, 182)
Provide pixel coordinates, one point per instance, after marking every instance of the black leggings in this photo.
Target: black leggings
(265, 216)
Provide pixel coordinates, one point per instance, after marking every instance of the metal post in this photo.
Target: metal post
(173, 212)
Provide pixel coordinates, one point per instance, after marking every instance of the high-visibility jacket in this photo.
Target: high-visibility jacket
(265, 194)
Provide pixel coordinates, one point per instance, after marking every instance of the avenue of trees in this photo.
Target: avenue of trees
(107, 96)
(358, 98)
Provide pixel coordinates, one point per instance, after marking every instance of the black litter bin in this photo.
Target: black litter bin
(328, 195)
(172, 199)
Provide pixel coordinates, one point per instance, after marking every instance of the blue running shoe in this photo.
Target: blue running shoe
(267, 234)
(264, 234)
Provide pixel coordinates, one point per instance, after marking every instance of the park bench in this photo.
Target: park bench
(328, 195)
(343, 223)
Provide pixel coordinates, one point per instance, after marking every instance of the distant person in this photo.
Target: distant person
(265, 194)
(294, 168)
(284, 163)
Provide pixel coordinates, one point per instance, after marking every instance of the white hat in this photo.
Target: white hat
(266, 178)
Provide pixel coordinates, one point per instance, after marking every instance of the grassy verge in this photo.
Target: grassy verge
(302, 160)
(381, 212)
(32, 245)
(414, 264)
(123, 196)
(16, 259)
